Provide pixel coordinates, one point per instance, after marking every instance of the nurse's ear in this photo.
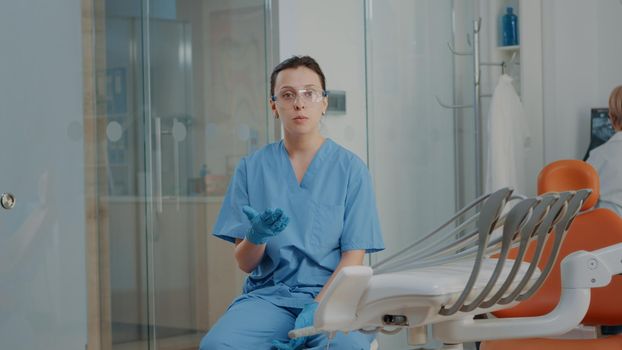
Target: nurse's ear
(273, 108)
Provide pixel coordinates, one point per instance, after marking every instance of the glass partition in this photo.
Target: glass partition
(418, 148)
(420, 152)
(185, 97)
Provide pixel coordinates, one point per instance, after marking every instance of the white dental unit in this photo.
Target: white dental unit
(462, 269)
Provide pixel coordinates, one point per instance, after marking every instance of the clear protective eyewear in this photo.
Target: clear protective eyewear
(288, 97)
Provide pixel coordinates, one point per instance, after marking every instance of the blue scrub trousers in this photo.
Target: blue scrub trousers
(252, 323)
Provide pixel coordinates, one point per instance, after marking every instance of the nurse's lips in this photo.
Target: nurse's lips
(300, 117)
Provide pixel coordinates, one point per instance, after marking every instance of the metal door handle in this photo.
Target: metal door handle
(7, 200)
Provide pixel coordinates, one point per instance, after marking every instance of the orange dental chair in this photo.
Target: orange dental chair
(592, 229)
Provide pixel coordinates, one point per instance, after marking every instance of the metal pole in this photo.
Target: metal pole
(476, 111)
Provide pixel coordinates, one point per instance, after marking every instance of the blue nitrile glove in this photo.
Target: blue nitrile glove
(266, 225)
(304, 319)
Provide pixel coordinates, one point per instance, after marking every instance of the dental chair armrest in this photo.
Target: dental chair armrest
(337, 310)
(580, 271)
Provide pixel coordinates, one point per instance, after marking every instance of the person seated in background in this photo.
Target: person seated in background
(607, 158)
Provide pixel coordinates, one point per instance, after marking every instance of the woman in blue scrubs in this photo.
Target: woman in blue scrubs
(298, 211)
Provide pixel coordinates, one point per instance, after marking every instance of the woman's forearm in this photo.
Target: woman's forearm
(348, 258)
(248, 255)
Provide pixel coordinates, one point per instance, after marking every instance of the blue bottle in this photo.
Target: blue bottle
(510, 28)
(203, 172)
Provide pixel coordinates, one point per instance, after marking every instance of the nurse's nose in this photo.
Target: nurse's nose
(299, 103)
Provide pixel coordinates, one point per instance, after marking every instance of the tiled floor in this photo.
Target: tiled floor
(191, 342)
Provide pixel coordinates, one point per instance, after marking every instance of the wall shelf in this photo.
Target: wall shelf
(509, 48)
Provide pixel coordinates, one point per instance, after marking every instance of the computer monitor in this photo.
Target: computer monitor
(600, 128)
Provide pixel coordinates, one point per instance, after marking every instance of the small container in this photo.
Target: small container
(203, 172)
(509, 24)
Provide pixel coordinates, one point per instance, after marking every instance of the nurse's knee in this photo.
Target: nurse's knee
(215, 341)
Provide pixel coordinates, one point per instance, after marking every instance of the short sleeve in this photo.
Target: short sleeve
(361, 229)
(231, 222)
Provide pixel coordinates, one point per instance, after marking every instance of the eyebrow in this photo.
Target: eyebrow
(293, 88)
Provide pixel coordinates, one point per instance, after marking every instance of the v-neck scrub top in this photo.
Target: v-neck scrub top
(332, 210)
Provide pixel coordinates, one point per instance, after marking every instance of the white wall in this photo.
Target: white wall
(412, 142)
(332, 32)
(569, 60)
(531, 89)
(581, 55)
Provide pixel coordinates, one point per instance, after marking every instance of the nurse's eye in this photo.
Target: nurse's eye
(287, 96)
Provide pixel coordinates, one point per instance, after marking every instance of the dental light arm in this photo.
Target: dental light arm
(486, 220)
(441, 241)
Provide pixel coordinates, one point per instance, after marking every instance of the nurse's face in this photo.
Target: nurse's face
(299, 102)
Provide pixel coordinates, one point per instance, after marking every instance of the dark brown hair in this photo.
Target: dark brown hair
(295, 62)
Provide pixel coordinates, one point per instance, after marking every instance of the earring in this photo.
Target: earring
(276, 116)
(323, 112)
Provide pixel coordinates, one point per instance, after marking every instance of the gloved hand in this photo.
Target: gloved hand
(304, 319)
(266, 225)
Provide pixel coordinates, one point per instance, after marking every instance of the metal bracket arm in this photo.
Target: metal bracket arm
(580, 271)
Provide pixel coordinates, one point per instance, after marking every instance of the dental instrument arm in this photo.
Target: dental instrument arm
(491, 204)
(580, 271)
(490, 213)
(417, 243)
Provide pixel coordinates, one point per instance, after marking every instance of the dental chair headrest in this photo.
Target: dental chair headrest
(568, 175)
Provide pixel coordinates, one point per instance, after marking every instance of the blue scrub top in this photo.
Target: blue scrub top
(332, 210)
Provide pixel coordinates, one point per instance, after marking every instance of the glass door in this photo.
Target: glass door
(208, 108)
(187, 88)
(43, 294)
